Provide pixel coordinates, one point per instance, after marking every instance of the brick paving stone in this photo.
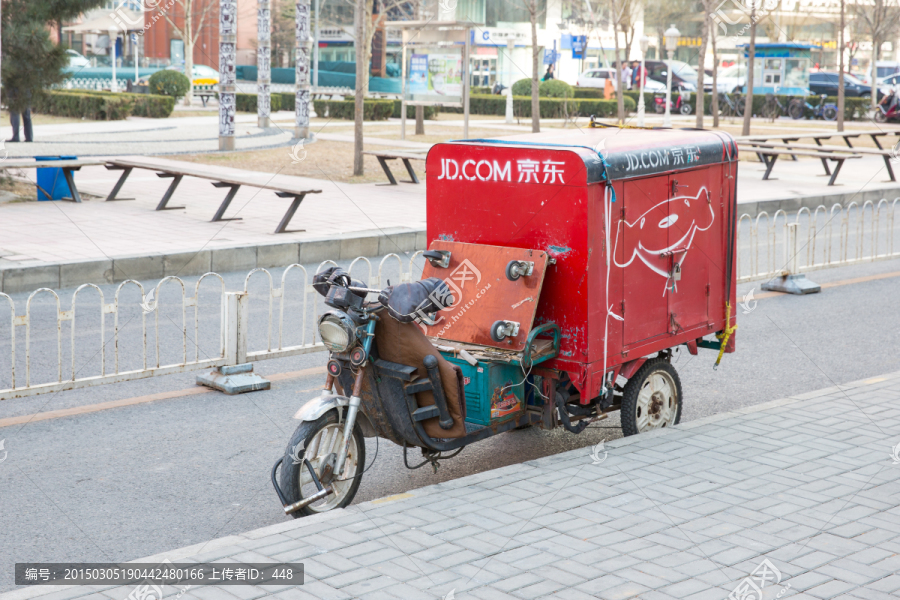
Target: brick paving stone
(517, 582)
(368, 585)
(830, 589)
(629, 589)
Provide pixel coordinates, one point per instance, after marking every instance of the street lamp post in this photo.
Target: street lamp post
(113, 35)
(645, 44)
(672, 34)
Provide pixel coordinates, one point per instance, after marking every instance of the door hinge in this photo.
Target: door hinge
(622, 307)
(707, 289)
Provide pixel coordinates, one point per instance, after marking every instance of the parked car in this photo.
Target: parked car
(596, 78)
(887, 82)
(826, 82)
(76, 60)
(729, 80)
(203, 75)
(683, 74)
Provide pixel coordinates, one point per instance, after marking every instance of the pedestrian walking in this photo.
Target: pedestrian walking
(626, 76)
(549, 74)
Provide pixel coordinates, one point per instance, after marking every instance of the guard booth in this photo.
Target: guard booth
(781, 68)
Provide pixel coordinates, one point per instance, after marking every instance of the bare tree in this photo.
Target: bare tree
(751, 58)
(195, 12)
(368, 16)
(880, 21)
(704, 40)
(534, 13)
(617, 11)
(840, 48)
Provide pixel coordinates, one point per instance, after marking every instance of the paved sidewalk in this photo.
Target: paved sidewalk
(798, 497)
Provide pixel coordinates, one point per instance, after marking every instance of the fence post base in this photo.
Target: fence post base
(792, 284)
(236, 379)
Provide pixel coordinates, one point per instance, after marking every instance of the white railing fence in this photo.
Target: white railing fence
(770, 246)
(285, 310)
(234, 341)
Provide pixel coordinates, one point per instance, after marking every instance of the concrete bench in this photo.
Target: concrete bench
(232, 183)
(385, 155)
(205, 95)
(67, 166)
(769, 156)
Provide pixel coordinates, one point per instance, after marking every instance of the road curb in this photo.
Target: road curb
(26, 278)
(792, 205)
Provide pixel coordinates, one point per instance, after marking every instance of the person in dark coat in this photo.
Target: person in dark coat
(19, 109)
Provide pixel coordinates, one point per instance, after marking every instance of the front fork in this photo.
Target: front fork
(355, 401)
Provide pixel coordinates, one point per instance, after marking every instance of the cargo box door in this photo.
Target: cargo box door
(641, 237)
(692, 247)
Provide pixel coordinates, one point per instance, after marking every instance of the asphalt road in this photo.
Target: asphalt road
(128, 482)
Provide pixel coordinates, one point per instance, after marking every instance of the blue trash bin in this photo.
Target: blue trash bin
(52, 179)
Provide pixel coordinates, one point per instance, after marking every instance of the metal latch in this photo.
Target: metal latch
(440, 259)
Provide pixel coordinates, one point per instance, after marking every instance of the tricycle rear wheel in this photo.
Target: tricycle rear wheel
(651, 398)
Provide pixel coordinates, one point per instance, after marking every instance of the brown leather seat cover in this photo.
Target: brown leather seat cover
(404, 343)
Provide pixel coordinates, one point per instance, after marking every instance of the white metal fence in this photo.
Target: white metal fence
(769, 246)
(234, 339)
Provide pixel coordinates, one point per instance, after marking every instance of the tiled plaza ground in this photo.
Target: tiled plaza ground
(810, 484)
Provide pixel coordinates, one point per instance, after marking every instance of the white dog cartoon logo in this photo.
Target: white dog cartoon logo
(651, 236)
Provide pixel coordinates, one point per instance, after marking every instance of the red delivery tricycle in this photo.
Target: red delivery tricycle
(562, 271)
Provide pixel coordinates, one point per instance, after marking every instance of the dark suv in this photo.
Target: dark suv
(826, 82)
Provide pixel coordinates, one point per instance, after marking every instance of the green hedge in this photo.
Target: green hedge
(247, 102)
(551, 108)
(523, 88)
(167, 82)
(430, 111)
(593, 93)
(555, 89)
(373, 110)
(103, 106)
(287, 100)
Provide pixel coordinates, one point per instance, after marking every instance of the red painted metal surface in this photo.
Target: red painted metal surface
(665, 269)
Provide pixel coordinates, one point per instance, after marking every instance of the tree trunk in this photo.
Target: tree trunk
(535, 72)
(420, 120)
(359, 23)
(704, 39)
(876, 54)
(840, 107)
(189, 49)
(751, 57)
(620, 93)
(714, 109)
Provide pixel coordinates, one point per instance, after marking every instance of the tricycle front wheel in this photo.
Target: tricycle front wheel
(315, 441)
(651, 398)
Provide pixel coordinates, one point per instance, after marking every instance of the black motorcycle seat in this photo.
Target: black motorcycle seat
(408, 302)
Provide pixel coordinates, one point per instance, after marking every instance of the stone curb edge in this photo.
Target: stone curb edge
(15, 279)
(492, 474)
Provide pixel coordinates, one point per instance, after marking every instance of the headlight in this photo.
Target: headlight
(338, 331)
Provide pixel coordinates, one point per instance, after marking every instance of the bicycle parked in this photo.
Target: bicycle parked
(823, 110)
(731, 105)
